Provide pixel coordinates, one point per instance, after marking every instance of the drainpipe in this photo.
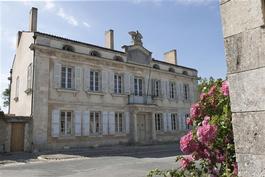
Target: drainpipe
(33, 74)
(10, 82)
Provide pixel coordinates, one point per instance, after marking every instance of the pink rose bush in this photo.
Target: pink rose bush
(209, 146)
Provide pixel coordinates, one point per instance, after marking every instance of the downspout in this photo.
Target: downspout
(33, 76)
(10, 82)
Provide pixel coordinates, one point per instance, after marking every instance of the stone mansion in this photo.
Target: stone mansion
(79, 95)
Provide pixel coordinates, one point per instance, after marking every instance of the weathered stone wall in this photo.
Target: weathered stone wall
(3, 137)
(244, 36)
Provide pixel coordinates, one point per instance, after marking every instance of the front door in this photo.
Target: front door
(144, 132)
(17, 137)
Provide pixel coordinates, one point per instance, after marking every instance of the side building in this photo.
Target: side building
(79, 94)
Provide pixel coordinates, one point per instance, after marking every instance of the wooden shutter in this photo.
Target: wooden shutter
(77, 121)
(165, 121)
(87, 79)
(55, 123)
(181, 92)
(132, 84)
(57, 75)
(111, 81)
(105, 123)
(127, 83)
(169, 122)
(127, 122)
(85, 123)
(180, 121)
(104, 81)
(167, 90)
(164, 89)
(147, 86)
(111, 123)
(78, 71)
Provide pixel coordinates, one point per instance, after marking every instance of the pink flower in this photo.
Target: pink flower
(206, 133)
(195, 110)
(203, 96)
(206, 153)
(189, 121)
(206, 120)
(225, 88)
(187, 143)
(219, 156)
(212, 90)
(185, 162)
(235, 172)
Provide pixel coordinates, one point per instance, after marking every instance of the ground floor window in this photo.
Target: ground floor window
(66, 122)
(187, 126)
(158, 121)
(119, 122)
(95, 122)
(174, 121)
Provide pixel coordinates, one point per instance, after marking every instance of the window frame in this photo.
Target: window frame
(186, 91)
(66, 127)
(175, 124)
(65, 79)
(92, 80)
(187, 126)
(95, 129)
(118, 84)
(29, 76)
(159, 122)
(138, 86)
(157, 88)
(172, 90)
(119, 122)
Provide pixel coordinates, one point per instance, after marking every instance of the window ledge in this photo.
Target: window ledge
(28, 91)
(66, 137)
(95, 93)
(119, 95)
(16, 99)
(67, 90)
(157, 98)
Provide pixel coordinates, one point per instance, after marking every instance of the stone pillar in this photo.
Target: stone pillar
(153, 126)
(135, 127)
(33, 18)
(244, 37)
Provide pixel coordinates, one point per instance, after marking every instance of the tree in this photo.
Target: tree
(6, 96)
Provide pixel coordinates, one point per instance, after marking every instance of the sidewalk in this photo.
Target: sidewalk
(74, 153)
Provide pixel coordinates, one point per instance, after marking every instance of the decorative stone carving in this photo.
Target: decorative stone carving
(136, 38)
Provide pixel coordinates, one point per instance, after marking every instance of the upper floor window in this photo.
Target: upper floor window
(172, 90)
(66, 123)
(171, 70)
(186, 91)
(119, 122)
(185, 72)
(95, 122)
(67, 77)
(17, 89)
(95, 53)
(68, 48)
(158, 121)
(174, 121)
(156, 66)
(118, 58)
(156, 86)
(138, 86)
(118, 83)
(29, 76)
(94, 81)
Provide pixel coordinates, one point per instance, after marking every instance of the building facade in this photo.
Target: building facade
(80, 94)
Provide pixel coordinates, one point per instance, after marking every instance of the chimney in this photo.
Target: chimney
(33, 15)
(109, 39)
(171, 57)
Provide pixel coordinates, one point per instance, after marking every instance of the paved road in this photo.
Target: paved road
(129, 164)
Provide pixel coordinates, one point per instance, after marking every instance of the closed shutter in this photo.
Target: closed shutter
(147, 86)
(153, 87)
(77, 123)
(181, 92)
(104, 81)
(111, 123)
(178, 91)
(164, 89)
(78, 71)
(57, 75)
(127, 122)
(127, 83)
(111, 81)
(167, 90)
(169, 122)
(55, 123)
(165, 121)
(85, 123)
(132, 84)
(180, 121)
(105, 123)
(87, 79)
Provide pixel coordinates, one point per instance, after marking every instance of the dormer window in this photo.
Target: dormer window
(156, 66)
(95, 53)
(185, 72)
(68, 48)
(171, 70)
(118, 58)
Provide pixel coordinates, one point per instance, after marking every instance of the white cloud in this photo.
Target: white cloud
(69, 18)
(49, 5)
(195, 2)
(86, 24)
(13, 42)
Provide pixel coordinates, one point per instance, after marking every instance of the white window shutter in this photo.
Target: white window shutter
(105, 123)
(111, 81)
(57, 75)
(181, 92)
(164, 89)
(85, 123)
(167, 90)
(87, 79)
(165, 121)
(147, 86)
(78, 71)
(180, 121)
(132, 84)
(169, 122)
(127, 122)
(77, 121)
(127, 83)
(104, 81)
(189, 92)
(111, 123)
(55, 123)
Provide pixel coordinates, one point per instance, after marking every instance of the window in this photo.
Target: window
(172, 90)
(95, 53)
(156, 66)
(68, 48)
(119, 122)
(95, 122)
(17, 89)
(94, 81)
(118, 58)
(156, 88)
(66, 123)
(158, 121)
(67, 77)
(187, 126)
(174, 121)
(185, 72)
(186, 91)
(29, 76)
(138, 86)
(171, 70)
(118, 83)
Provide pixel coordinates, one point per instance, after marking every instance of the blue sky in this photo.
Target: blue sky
(193, 27)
